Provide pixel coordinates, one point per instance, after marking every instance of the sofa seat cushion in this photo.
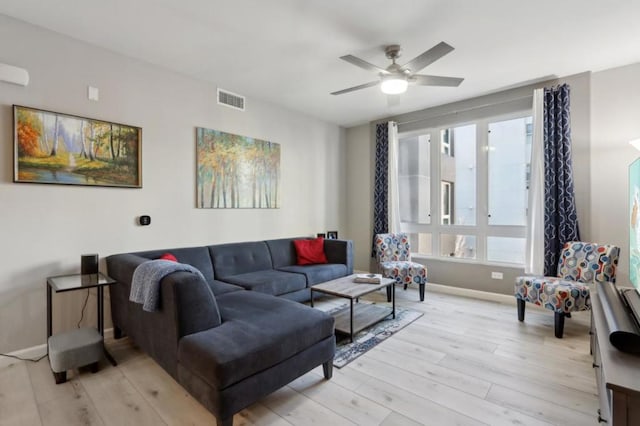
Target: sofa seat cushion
(316, 274)
(269, 281)
(257, 332)
(219, 288)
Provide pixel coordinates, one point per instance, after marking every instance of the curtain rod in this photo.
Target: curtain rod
(465, 110)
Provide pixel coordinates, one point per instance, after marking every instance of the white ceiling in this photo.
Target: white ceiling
(286, 51)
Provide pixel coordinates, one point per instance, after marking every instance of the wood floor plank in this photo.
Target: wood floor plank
(63, 404)
(395, 419)
(452, 378)
(443, 342)
(117, 401)
(538, 408)
(17, 403)
(580, 368)
(456, 400)
(554, 374)
(412, 349)
(348, 378)
(168, 398)
(258, 415)
(412, 406)
(70, 409)
(351, 406)
(540, 387)
(301, 410)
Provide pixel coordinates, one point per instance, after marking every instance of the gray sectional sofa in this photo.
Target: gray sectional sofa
(239, 334)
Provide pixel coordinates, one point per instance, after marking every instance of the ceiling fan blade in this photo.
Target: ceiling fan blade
(428, 57)
(363, 64)
(435, 80)
(354, 88)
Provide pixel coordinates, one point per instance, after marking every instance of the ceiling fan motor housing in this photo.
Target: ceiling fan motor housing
(393, 51)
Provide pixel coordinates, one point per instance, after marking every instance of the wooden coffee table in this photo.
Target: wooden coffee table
(357, 316)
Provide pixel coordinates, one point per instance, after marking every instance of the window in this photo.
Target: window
(446, 204)
(509, 160)
(477, 180)
(414, 179)
(446, 142)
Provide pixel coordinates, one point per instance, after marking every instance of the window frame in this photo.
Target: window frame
(481, 230)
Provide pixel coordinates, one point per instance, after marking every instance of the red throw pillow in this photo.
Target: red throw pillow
(310, 251)
(168, 256)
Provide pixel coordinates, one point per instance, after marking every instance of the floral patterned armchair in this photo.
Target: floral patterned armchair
(580, 264)
(393, 254)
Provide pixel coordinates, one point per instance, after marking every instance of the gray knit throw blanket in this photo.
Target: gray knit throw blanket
(145, 284)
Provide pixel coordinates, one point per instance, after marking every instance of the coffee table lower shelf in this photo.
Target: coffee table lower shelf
(364, 315)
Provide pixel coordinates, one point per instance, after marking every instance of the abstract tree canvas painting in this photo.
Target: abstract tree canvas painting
(236, 171)
(51, 147)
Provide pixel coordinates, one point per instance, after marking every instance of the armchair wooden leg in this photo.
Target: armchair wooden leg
(559, 324)
(422, 292)
(521, 305)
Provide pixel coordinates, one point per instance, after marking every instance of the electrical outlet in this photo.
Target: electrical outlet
(497, 275)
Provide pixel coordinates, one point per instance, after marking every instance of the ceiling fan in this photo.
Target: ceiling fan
(395, 78)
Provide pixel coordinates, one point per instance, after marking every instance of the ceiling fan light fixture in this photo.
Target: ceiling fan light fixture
(394, 85)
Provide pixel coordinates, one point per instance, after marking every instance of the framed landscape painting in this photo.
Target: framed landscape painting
(51, 147)
(236, 172)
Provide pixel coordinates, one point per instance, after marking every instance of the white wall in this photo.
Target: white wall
(45, 228)
(615, 120)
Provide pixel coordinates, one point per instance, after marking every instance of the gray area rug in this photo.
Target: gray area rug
(370, 337)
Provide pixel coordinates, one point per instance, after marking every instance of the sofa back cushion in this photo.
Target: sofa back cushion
(283, 252)
(240, 258)
(197, 257)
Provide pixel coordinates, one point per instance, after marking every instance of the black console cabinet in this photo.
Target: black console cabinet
(617, 374)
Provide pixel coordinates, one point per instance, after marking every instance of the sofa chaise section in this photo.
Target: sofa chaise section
(263, 343)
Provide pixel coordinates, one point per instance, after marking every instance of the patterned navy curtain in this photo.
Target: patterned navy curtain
(560, 217)
(381, 183)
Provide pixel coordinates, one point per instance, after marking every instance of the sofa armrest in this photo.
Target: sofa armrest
(195, 305)
(340, 251)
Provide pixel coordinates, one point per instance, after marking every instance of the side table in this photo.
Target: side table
(82, 346)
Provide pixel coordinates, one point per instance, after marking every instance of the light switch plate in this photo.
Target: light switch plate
(93, 93)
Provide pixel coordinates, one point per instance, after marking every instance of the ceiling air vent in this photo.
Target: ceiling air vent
(231, 100)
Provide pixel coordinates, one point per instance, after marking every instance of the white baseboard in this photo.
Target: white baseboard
(478, 294)
(467, 292)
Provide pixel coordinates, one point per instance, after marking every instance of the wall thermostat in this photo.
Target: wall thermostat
(144, 220)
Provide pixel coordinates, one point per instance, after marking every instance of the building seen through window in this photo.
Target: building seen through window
(476, 179)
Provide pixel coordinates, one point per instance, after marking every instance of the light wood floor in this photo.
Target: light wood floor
(465, 362)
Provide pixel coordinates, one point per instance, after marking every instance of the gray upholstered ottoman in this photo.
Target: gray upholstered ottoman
(75, 348)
